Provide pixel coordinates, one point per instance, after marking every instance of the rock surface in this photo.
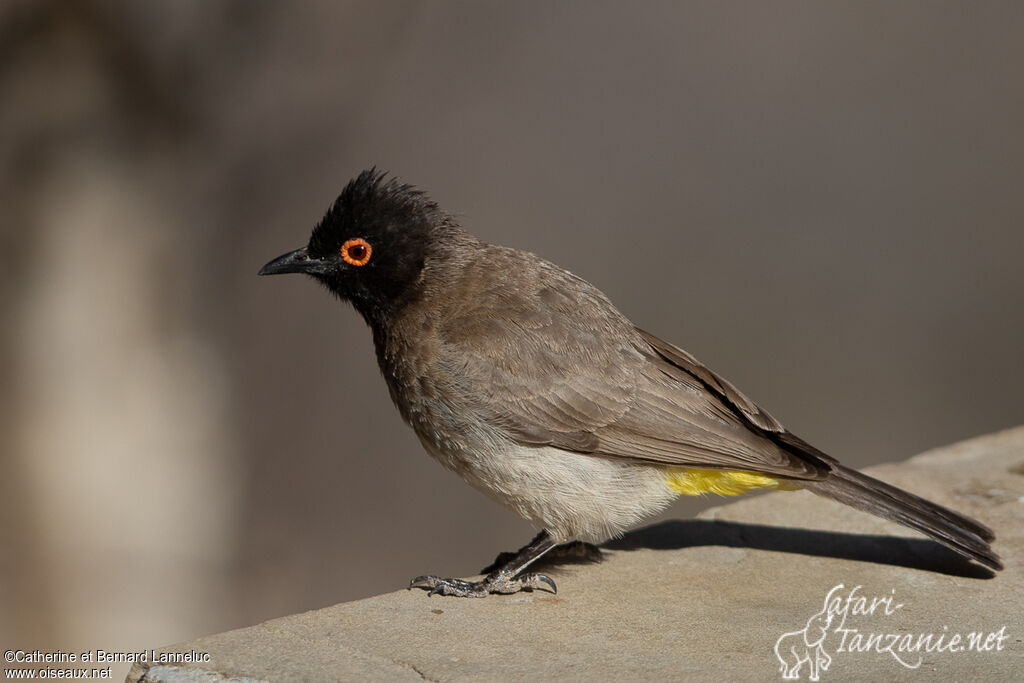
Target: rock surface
(704, 599)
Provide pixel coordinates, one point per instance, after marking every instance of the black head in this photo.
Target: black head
(370, 246)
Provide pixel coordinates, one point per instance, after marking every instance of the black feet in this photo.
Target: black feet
(505, 578)
(495, 583)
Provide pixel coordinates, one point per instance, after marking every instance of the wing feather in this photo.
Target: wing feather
(564, 368)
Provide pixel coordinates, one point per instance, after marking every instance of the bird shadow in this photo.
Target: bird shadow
(898, 551)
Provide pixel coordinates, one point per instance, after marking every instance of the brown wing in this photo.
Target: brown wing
(564, 368)
(527, 345)
(683, 412)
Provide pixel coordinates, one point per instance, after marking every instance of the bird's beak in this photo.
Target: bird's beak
(297, 261)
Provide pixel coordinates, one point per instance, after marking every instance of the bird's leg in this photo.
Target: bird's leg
(506, 578)
(574, 552)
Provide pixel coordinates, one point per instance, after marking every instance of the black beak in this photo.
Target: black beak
(297, 261)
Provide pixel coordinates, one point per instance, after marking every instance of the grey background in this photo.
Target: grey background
(821, 201)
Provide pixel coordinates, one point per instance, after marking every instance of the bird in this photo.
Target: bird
(527, 382)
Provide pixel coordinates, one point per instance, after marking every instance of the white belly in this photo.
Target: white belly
(573, 496)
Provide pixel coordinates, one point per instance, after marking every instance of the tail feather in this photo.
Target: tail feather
(954, 530)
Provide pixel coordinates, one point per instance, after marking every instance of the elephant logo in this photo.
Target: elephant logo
(807, 646)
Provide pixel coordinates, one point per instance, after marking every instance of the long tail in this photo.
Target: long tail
(958, 532)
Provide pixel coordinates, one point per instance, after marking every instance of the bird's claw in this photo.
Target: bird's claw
(494, 583)
(537, 579)
(435, 585)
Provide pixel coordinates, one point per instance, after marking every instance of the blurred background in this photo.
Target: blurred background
(824, 203)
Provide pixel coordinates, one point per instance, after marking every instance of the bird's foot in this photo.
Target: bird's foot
(508, 578)
(497, 582)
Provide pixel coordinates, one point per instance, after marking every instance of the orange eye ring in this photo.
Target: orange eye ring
(356, 252)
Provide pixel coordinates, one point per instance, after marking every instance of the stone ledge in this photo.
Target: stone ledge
(703, 599)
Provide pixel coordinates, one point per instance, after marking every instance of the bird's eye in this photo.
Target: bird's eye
(356, 252)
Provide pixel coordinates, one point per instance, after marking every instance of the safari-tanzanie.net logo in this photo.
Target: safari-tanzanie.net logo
(848, 626)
